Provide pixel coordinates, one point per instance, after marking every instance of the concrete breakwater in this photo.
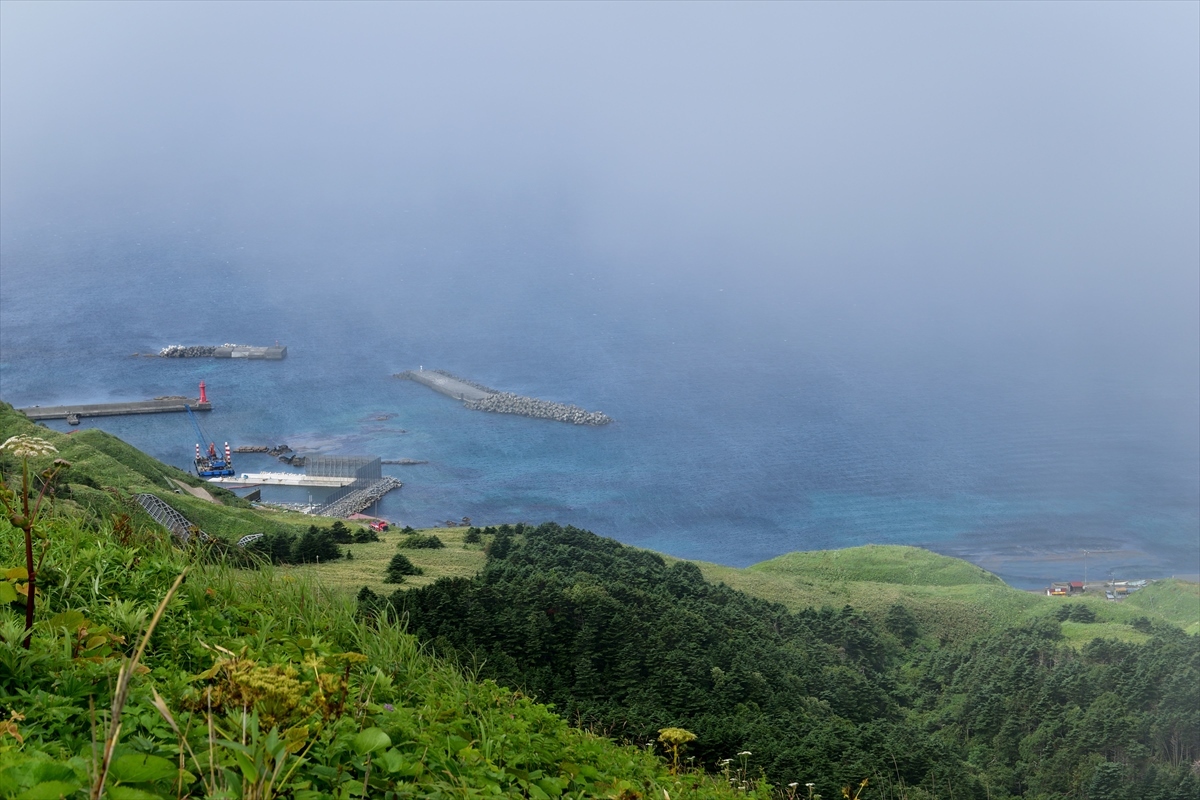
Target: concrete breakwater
(363, 493)
(509, 403)
(157, 406)
(484, 398)
(273, 353)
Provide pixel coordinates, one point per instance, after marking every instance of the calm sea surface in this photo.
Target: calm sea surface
(737, 438)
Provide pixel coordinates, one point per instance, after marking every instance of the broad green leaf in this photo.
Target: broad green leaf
(551, 786)
(50, 790)
(129, 793)
(16, 574)
(71, 620)
(142, 768)
(390, 761)
(371, 740)
(43, 771)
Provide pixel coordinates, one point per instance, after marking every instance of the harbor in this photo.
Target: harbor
(357, 480)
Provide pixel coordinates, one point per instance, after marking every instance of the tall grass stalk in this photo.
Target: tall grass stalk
(121, 696)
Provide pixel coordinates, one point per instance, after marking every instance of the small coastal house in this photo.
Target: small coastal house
(1059, 589)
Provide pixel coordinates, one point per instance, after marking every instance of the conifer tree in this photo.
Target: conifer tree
(399, 567)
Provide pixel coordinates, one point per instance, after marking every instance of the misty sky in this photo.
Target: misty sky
(1016, 176)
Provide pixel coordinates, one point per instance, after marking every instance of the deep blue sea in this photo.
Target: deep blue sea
(742, 431)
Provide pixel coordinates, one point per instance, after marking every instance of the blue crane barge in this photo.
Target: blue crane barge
(209, 462)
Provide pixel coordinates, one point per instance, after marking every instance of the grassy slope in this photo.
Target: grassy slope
(892, 564)
(447, 735)
(106, 461)
(947, 595)
(455, 560)
(1174, 600)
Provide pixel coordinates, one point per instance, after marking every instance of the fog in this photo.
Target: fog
(980, 170)
(1009, 189)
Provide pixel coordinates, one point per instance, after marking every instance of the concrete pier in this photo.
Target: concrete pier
(157, 406)
(448, 384)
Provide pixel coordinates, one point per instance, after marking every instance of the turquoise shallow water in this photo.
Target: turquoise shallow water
(736, 439)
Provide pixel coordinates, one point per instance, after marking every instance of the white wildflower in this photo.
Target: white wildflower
(28, 446)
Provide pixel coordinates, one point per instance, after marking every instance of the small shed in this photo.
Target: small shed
(1076, 586)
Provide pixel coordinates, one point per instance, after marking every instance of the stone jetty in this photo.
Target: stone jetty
(254, 352)
(484, 398)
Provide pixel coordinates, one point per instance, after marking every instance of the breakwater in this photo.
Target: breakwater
(158, 406)
(254, 352)
(478, 397)
(361, 494)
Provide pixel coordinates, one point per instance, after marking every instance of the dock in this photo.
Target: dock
(161, 405)
(284, 479)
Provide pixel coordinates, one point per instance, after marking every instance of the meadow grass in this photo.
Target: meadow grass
(960, 600)
(899, 564)
(1077, 634)
(367, 567)
(1173, 600)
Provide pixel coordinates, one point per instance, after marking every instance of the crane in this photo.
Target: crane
(209, 463)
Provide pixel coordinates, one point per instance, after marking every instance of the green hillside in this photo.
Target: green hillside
(907, 566)
(1175, 601)
(1043, 700)
(255, 683)
(893, 664)
(950, 598)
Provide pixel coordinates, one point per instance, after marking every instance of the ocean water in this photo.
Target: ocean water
(740, 433)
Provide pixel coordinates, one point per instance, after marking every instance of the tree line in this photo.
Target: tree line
(625, 644)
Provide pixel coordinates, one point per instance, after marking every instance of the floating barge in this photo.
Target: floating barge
(161, 405)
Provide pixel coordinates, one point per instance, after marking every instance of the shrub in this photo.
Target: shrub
(415, 541)
(315, 545)
(399, 567)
